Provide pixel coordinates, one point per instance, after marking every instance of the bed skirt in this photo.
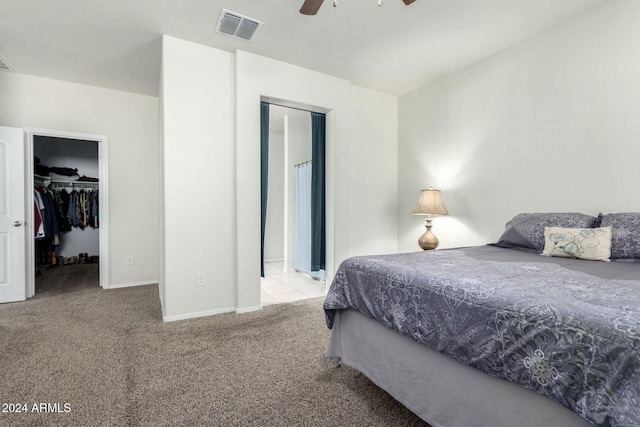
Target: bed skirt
(438, 389)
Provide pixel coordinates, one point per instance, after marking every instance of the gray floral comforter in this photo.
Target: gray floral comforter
(571, 335)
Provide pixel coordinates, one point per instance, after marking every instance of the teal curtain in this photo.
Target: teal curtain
(264, 175)
(318, 197)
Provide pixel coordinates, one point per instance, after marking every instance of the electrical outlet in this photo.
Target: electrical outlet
(201, 279)
(130, 260)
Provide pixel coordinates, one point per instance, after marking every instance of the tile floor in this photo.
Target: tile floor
(278, 286)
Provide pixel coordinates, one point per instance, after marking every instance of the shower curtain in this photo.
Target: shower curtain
(302, 244)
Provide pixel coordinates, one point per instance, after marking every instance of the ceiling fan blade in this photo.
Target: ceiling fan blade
(408, 2)
(311, 7)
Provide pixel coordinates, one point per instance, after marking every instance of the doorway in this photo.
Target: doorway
(290, 146)
(70, 169)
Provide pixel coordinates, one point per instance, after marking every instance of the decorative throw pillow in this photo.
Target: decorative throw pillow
(526, 230)
(584, 243)
(625, 234)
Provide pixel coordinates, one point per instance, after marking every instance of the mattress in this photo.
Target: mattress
(567, 329)
(436, 388)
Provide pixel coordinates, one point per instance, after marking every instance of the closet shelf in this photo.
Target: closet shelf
(47, 181)
(39, 179)
(85, 184)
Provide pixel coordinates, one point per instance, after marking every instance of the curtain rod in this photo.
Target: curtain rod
(302, 164)
(293, 108)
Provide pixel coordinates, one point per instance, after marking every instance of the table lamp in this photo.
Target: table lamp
(429, 203)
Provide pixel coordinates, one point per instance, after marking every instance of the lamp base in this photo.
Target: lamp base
(428, 240)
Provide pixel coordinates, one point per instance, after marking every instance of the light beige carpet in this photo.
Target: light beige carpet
(106, 358)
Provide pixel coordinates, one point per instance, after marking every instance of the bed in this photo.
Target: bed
(498, 335)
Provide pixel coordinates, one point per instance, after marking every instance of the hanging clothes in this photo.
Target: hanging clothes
(93, 214)
(48, 213)
(58, 210)
(38, 212)
(45, 213)
(82, 208)
(63, 199)
(82, 218)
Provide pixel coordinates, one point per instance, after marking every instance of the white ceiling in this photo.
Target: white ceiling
(392, 49)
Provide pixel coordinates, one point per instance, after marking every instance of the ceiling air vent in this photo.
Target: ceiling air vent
(4, 65)
(237, 25)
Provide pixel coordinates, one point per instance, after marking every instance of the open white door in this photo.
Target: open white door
(12, 215)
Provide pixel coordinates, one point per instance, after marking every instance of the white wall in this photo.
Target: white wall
(130, 121)
(274, 228)
(207, 218)
(161, 209)
(373, 168)
(222, 237)
(273, 80)
(258, 77)
(547, 125)
(198, 159)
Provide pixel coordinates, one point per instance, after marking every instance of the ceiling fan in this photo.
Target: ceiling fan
(311, 7)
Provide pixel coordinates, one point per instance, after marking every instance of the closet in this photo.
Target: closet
(66, 203)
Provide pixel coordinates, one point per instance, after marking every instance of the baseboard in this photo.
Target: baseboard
(197, 314)
(131, 284)
(248, 309)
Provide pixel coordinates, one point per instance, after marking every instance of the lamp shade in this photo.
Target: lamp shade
(430, 203)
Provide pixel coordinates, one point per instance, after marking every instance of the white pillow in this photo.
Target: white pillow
(584, 243)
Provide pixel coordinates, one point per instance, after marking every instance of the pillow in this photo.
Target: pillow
(584, 243)
(526, 230)
(625, 234)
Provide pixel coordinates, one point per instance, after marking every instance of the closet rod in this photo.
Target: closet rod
(85, 184)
